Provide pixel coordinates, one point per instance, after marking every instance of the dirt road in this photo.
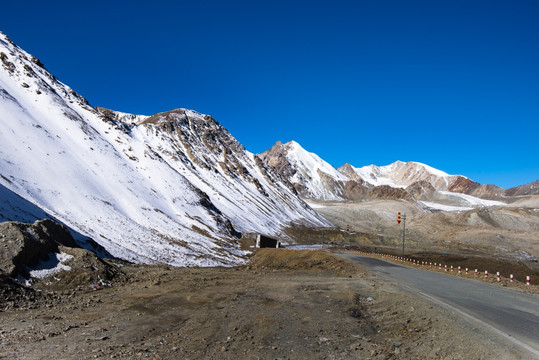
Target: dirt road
(284, 305)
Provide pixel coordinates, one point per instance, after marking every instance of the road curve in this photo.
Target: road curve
(513, 315)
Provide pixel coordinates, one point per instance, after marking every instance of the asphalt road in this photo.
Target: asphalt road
(510, 314)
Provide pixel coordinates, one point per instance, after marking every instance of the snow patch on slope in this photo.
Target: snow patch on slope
(437, 206)
(53, 265)
(472, 200)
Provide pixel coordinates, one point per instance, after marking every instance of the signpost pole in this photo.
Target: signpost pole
(403, 232)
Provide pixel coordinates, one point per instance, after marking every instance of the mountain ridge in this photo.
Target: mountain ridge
(374, 181)
(174, 187)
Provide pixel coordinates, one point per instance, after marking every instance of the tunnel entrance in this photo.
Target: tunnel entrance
(263, 241)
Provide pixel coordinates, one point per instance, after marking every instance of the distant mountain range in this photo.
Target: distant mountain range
(314, 178)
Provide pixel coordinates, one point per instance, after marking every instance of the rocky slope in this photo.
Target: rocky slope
(175, 187)
(527, 189)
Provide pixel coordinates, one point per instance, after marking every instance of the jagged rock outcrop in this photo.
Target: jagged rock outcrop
(275, 158)
(30, 252)
(421, 189)
(348, 171)
(460, 184)
(389, 192)
(26, 245)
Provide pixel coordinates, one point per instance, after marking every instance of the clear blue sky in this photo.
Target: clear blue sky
(453, 84)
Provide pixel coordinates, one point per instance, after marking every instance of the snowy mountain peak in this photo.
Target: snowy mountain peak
(311, 176)
(294, 146)
(310, 161)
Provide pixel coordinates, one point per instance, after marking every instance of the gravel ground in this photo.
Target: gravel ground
(283, 305)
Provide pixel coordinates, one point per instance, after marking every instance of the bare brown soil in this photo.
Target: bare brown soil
(283, 305)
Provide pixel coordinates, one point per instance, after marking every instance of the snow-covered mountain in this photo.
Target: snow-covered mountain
(315, 179)
(175, 187)
(403, 174)
(310, 175)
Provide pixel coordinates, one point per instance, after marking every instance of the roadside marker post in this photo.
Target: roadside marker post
(466, 271)
(527, 280)
(511, 278)
(486, 274)
(498, 275)
(476, 272)
(459, 269)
